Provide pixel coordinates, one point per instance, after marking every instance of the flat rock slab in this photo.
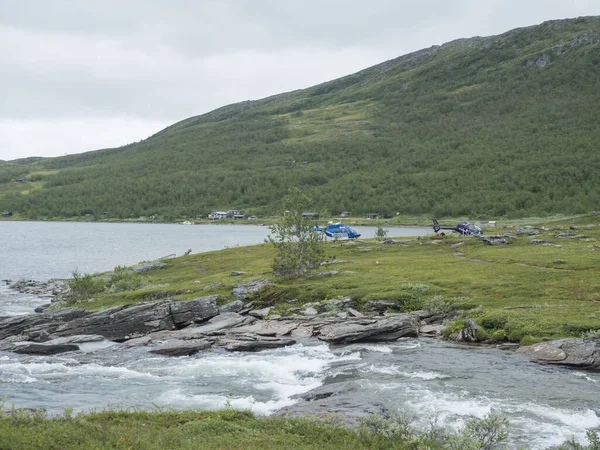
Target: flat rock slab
(252, 343)
(391, 328)
(135, 320)
(182, 348)
(44, 349)
(581, 353)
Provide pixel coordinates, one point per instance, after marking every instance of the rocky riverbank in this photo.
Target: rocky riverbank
(177, 328)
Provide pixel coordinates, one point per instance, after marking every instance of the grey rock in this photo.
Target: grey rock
(310, 311)
(218, 323)
(565, 234)
(135, 320)
(235, 306)
(266, 328)
(146, 267)
(528, 231)
(252, 343)
(36, 323)
(182, 348)
(538, 241)
(381, 305)
(467, 334)
(236, 274)
(328, 390)
(42, 308)
(354, 312)
(76, 339)
(260, 313)
(494, 240)
(242, 291)
(44, 349)
(198, 310)
(581, 353)
(385, 329)
(212, 286)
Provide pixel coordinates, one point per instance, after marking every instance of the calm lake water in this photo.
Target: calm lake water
(44, 250)
(424, 377)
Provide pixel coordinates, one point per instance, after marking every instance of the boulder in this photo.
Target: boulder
(260, 313)
(135, 320)
(44, 349)
(243, 291)
(235, 306)
(494, 240)
(390, 328)
(182, 348)
(467, 334)
(267, 328)
(252, 343)
(36, 323)
(198, 310)
(381, 305)
(576, 352)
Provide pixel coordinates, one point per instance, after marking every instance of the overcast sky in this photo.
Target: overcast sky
(79, 75)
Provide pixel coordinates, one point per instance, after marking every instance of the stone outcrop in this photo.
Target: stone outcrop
(34, 324)
(243, 291)
(44, 349)
(581, 353)
(182, 348)
(126, 322)
(388, 329)
(467, 334)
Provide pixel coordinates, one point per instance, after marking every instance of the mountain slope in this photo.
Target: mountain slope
(505, 125)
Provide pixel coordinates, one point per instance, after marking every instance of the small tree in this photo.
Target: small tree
(381, 234)
(299, 246)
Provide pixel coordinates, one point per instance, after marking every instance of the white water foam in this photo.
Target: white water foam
(28, 372)
(550, 425)
(395, 370)
(279, 373)
(587, 377)
(178, 398)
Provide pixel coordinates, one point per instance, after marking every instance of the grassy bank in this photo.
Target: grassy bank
(520, 292)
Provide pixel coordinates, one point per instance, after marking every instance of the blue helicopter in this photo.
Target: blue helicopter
(463, 228)
(338, 231)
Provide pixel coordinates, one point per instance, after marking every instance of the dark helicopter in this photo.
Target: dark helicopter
(463, 228)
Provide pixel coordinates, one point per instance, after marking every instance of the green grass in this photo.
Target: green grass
(225, 429)
(515, 291)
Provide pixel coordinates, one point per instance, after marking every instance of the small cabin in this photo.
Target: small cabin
(7, 214)
(344, 214)
(310, 215)
(22, 180)
(373, 216)
(238, 216)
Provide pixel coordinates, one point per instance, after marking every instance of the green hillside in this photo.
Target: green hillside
(500, 126)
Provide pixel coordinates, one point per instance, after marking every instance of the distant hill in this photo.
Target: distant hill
(507, 125)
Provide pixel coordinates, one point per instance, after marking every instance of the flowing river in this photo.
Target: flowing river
(423, 377)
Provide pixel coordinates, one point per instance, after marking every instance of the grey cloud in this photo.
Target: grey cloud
(159, 60)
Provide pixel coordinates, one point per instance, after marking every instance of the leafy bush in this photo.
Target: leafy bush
(591, 334)
(391, 425)
(592, 437)
(437, 305)
(418, 287)
(124, 279)
(381, 233)
(84, 286)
